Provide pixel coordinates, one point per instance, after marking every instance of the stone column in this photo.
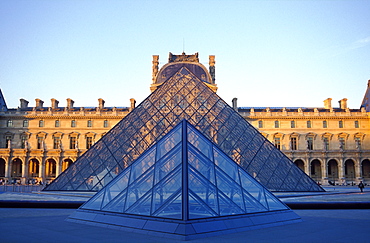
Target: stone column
(8, 169)
(341, 172)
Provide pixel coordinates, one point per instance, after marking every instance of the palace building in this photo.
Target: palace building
(330, 144)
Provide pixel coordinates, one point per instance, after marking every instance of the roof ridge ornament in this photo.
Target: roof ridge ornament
(183, 57)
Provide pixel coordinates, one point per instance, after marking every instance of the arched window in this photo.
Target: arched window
(106, 123)
(277, 124)
(57, 123)
(73, 123)
(41, 123)
(89, 123)
(25, 123)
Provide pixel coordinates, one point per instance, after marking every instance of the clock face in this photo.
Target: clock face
(170, 70)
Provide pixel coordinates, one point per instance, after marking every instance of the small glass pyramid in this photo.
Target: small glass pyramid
(184, 187)
(184, 176)
(183, 96)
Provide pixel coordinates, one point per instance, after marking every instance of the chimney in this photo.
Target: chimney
(212, 68)
(54, 103)
(235, 104)
(101, 103)
(343, 103)
(39, 103)
(327, 103)
(133, 102)
(70, 103)
(24, 103)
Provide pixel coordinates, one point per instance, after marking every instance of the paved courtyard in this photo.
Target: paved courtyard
(49, 225)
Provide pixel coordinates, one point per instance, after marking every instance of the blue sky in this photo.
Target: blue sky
(268, 53)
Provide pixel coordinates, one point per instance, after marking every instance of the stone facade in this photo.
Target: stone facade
(41, 142)
(332, 145)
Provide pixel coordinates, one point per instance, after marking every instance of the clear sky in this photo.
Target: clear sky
(268, 53)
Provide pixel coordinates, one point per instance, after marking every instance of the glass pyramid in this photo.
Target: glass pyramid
(183, 96)
(184, 176)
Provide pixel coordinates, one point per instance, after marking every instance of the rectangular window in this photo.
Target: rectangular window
(325, 124)
(260, 124)
(358, 142)
(292, 124)
(25, 123)
(41, 123)
(9, 123)
(310, 143)
(72, 142)
(340, 124)
(326, 143)
(106, 123)
(277, 143)
(89, 141)
(342, 144)
(40, 141)
(293, 143)
(8, 141)
(309, 125)
(73, 123)
(57, 123)
(357, 125)
(56, 144)
(23, 141)
(89, 123)
(276, 124)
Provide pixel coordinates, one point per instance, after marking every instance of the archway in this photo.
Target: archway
(16, 168)
(333, 172)
(33, 168)
(300, 164)
(50, 168)
(365, 168)
(349, 171)
(66, 163)
(316, 172)
(2, 167)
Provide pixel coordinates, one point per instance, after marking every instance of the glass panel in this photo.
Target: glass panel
(228, 166)
(229, 188)
(167, 164)
(118, 204)
(165, 191)
(228, 207)
(197, 208)
(116, 188)
(257, 191)
(274, 203)
(142, 165)
(198, 142)
(203, 189)
(172, 209)
(202, 165)
(95, 202)
(139, 188)
(169, 142)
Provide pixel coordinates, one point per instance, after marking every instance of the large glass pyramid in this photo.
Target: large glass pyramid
(183, 177)
(183, 96)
